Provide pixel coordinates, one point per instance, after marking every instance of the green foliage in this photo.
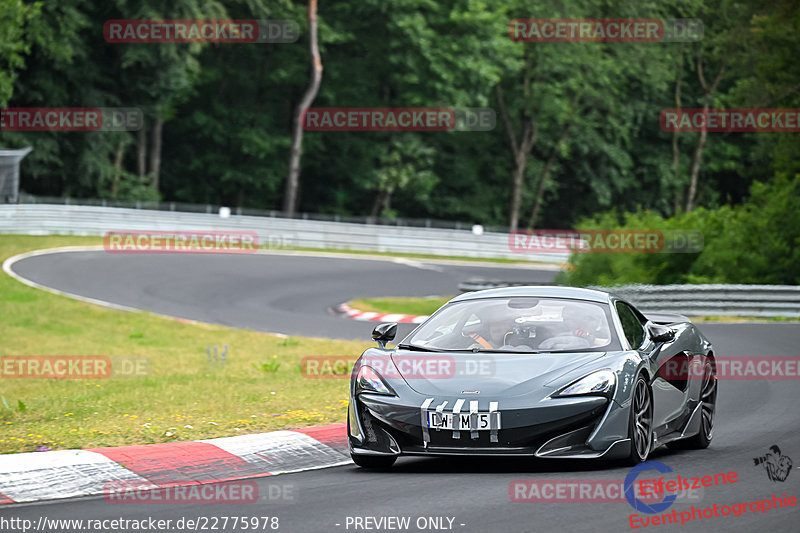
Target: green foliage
(21, 407)
(227, 109)
(757, 242)
(760, 242)
(269, 367)
(15, 42)
(404, 165)
(607, 269)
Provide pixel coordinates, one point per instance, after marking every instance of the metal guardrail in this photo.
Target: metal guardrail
(695, 300)
(186, 207)
(714, 299)
(275, 233)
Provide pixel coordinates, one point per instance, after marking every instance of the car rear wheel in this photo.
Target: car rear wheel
(640, 430)
(374, 461)
(708, 405)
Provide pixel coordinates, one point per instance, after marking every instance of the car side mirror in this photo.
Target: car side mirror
(384, 332)
(659, 333)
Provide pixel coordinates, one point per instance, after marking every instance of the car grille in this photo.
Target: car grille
(410, 436)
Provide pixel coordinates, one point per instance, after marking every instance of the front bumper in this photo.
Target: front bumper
(587, 427)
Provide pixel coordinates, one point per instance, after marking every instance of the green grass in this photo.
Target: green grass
(406, 306)
(260, 388)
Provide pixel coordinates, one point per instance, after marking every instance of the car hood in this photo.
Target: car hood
(509, 374)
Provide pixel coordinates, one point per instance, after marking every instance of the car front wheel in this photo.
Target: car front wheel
(640, 430)
(708, 406)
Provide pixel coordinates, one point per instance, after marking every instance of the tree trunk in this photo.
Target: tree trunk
(676, 159)
(520, 151)
(293, 180)
(155, 152)
(118, 157)
(537, 203)
(376, 204)
(701, 143)
(695, 172)
(141, 151)
(517, 177)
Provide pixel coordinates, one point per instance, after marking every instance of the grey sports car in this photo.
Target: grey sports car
(549, 372)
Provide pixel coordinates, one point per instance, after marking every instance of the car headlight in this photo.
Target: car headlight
(369, 381)
(600, 383)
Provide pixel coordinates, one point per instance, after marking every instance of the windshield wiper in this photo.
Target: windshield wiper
(415, 348)
(481, 350)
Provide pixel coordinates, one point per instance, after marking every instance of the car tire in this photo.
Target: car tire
(708, 400)
(374, 461)
(640, 426)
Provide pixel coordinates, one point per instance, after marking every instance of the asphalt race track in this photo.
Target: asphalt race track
(277, 293)
(290, 294)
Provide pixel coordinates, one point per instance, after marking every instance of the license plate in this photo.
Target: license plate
(447, 421)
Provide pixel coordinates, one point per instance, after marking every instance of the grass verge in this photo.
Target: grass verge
(185, 396)
(405, 306)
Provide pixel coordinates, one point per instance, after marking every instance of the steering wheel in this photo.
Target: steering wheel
(565, 342)
(521, 335)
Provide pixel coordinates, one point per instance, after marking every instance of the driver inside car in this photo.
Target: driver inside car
(492, 335)
(585, 324)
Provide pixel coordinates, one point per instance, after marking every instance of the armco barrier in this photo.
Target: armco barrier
(696, 300)
(714, 299)
(45, 219)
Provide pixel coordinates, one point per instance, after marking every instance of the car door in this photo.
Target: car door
(669, 396)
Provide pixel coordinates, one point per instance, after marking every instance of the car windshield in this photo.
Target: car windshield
(520, 324)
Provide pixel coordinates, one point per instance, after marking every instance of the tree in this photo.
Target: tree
(404, 165)
(16, 39)
(159, 77)
(293, 180)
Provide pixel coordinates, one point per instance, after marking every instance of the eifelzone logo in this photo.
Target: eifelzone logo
(637, 503)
